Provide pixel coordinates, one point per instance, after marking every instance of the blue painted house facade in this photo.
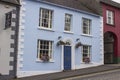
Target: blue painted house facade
(55, 37)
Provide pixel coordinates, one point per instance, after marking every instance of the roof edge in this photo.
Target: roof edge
(111, 3)
(70, 8)
(13, 3)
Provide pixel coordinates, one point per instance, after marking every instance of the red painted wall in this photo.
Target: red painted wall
(114, 29)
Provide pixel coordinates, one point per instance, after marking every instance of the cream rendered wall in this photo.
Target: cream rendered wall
(5, 41)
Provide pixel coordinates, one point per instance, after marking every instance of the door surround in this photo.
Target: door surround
(72, 54)
(110, 47)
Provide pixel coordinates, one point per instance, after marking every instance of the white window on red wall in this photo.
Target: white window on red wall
(46, 18)
(110, 17)
(45, 50)
(86, 53)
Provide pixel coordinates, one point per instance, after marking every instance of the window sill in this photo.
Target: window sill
(46, 29)
(68, 32)
(87, 35)
(112, 25)
(40, 61)
(86, 63)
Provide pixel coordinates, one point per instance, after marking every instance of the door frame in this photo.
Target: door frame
(72, 55)
(115, 44)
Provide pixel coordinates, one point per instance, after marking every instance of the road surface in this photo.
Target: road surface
(107, 75)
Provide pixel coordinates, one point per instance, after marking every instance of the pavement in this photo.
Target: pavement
(72, 73)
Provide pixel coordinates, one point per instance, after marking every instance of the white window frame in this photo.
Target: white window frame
(68, 22)
(89, 52)
(110, 17)
(88, 27)
(49, 19)
(50, 50)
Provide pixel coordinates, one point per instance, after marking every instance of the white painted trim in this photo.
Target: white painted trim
(24, 3)
(40, 61)
(33, 73)
(72, 54)
(20, 1)
(89, 50)
(86, 35)
(13, 23)
(68, 32)
(62, 58)
(111, 15)
(21, 38)
(50, 13)
(13, 15)
(46, 29)
(102, 41)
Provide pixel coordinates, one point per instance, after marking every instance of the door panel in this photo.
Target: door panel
(108, 58)
(109, 47)
(109, 51)
(67, 57)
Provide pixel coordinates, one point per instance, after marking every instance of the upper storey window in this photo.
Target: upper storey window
(46, 18)
(110, 17)
(86, 25)
(68, 20)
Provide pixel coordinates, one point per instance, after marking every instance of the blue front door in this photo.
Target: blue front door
(67, 57)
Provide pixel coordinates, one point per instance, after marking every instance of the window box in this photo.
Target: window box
(86, 60)
(61, 43)
(78, 45)
(45, 58)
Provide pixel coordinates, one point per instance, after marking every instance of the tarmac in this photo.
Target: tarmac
(72, 73)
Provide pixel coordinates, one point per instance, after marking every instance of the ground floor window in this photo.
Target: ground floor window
(45, 50)
(86, 53)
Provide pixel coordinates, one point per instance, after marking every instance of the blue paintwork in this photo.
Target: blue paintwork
(33, 33)
(67, 57)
